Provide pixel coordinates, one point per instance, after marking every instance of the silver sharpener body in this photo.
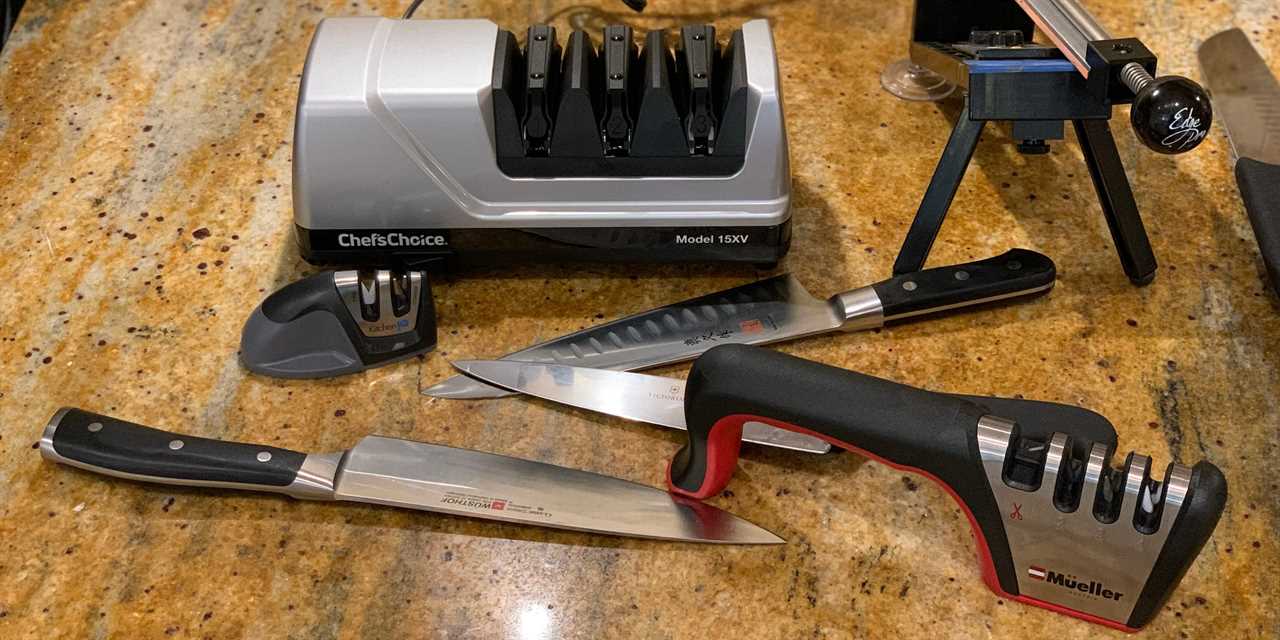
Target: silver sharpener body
(396, 161)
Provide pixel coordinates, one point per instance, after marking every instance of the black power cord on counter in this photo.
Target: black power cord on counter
(636, 5)
(413, 6)
(8, 17)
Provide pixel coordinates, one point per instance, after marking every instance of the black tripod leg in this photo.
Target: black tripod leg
(1117, 201)
(937, 198)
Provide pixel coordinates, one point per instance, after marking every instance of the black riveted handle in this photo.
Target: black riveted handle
(116, 447)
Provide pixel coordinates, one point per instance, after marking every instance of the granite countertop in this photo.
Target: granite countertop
(145, 210)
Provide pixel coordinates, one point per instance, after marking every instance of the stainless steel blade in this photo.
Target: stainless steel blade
(416, 475)
(770, 310)
(634, 396)
(1246, 96)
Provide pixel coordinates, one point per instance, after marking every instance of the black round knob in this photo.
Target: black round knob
(1171, 114)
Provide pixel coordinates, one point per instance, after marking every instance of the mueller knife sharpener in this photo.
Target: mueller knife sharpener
(986, 50)
(341, 322)
(1056, 525)
(421, 142)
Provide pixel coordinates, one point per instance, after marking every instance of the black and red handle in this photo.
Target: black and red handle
(931, 434)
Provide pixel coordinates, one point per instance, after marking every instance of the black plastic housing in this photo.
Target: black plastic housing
(617, 111)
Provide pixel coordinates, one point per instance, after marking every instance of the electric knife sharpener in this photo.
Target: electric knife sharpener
(1056, 525)
(418, 141)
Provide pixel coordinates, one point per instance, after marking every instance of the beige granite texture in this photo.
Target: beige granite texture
(145, 210)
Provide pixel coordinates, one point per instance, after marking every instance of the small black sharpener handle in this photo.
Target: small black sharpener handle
(116, 447)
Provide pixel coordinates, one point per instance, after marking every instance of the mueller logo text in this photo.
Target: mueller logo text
(1071, 582)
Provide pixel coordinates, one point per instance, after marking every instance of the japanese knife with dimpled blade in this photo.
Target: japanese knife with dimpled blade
(396, 473)
(773, 310)
(1056, 525)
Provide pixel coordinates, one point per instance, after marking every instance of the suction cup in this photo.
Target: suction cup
(910, 81)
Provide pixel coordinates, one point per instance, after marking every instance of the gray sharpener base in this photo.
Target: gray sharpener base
(312, 346)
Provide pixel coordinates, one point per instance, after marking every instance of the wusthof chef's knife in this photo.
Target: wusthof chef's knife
(397, 473)
(1247, 97)
(1057, 526)
(773, 310)
(650, 399)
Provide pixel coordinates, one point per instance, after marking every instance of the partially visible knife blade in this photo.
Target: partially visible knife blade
(772, 310)
(652, 399)
(1245, 93)
(1247, 97)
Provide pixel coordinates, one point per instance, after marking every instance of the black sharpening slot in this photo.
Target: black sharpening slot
(696, 60)
(620, 110)
(621, 89)
(543, 64)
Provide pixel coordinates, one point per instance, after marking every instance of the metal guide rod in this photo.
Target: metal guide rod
(1072, 28)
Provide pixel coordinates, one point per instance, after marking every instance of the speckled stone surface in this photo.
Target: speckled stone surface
(145, 210)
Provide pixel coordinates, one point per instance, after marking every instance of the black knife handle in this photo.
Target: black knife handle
(1260, 188)
(116, 447)
(1016, 272)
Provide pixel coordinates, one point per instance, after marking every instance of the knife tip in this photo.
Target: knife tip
(774, 539)
(763, 536)
(463, 386)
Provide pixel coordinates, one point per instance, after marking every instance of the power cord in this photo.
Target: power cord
(636, 5)
(8, 18)
(413, 6)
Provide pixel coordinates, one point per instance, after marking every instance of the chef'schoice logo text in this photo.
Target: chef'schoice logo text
(393, 239)
(1072, 583)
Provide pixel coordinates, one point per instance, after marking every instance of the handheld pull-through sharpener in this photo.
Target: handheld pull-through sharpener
(1056, 525)
(421, 140)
